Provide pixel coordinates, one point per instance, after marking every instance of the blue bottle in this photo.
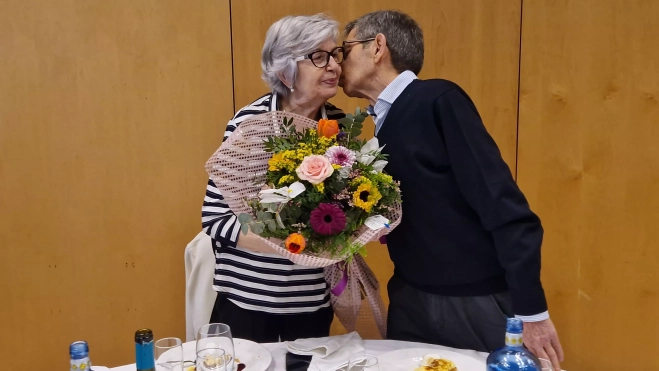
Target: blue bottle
(513, 357)
(144, 360)
(79, 352)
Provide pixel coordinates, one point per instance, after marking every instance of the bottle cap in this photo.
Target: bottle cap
(79, 350)
(514, 326)
(144, 335)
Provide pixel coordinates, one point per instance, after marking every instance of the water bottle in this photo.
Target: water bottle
(513, 357)
(79, 352)
(144, 350)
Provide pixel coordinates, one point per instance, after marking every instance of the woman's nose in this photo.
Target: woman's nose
(332, 65)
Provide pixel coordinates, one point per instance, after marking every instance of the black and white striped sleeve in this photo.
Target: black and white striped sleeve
(333, 112)
(217, 219)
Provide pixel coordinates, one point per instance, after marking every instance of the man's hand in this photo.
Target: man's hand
(542, 340)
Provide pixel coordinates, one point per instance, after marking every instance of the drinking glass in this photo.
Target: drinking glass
(168, 354)
(212, 359)
(363, 362)
(217, 335)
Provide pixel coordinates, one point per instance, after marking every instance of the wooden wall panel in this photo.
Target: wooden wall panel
(108, 112)
(589, 164)
(474, 43)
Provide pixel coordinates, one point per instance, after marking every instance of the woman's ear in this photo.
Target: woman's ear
(283, 79)
(380, 47)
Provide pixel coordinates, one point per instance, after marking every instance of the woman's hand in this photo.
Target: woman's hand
(253, 242)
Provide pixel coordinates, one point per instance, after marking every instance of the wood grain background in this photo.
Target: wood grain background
(589, 164)
(108, 111)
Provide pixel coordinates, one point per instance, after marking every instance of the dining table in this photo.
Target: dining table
(382, 349)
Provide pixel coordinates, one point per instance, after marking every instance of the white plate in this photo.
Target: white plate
(254, 356)
(410, 359)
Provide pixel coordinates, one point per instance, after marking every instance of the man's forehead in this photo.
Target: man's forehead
(351, 35)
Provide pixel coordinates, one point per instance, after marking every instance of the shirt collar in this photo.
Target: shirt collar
(394, 89)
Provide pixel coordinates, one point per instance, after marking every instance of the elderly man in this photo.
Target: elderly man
(467, 253)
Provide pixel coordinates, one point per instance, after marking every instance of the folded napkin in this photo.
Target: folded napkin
(330, 353)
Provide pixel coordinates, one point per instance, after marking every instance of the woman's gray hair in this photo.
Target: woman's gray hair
(289, 38)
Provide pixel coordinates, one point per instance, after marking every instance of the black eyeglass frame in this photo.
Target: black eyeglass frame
(346, 51)
(331, 53)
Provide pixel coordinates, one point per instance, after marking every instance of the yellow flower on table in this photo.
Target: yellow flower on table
(320, 187)
(366, 196)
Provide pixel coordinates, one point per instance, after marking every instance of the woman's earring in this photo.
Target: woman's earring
(292, 90)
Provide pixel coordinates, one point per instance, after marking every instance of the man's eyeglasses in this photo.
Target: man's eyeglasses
(357, 41)
(348, 42)
(320, 58)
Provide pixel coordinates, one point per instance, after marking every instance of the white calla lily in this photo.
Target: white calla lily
(371, 146)
(284, 194)
(369, 151)
(379, 165)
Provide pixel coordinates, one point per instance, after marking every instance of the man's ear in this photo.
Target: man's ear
(284, 80)
(380, 46)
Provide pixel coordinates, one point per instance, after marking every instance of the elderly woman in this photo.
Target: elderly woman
(262, 296)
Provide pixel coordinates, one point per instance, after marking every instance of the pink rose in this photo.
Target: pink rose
(314, 169)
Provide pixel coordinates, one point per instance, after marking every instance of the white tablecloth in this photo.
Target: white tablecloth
(374, 347)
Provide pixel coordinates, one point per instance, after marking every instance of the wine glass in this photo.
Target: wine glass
(217, 335)
(363, 362)
(168, 354)
(212, 359)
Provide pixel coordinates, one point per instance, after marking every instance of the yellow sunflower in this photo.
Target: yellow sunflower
(366, 196)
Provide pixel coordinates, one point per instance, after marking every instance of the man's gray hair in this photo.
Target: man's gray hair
(404, 37)
(289, 38)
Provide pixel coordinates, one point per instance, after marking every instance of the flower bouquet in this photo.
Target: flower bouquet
(318, 187)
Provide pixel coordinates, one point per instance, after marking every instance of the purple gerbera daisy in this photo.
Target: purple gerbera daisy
(328, 219)
(342, 156)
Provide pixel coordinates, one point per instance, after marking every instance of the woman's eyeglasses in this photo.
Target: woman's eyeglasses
(320, 58)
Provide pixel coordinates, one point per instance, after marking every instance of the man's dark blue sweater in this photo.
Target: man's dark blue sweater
(467, 229)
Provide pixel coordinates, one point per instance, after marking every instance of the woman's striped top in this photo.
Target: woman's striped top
(255, 281)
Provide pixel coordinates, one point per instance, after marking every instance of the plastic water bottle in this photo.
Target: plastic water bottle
(79, 352)
(513, 357)
(144, 360)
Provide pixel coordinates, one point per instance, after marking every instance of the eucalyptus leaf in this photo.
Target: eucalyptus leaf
(244, 218)
(263, 216)
(272, 225)
(359, 119)
(358, 111)
(244, 228)
(349, 116)
(257, 228)
(345, 122)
